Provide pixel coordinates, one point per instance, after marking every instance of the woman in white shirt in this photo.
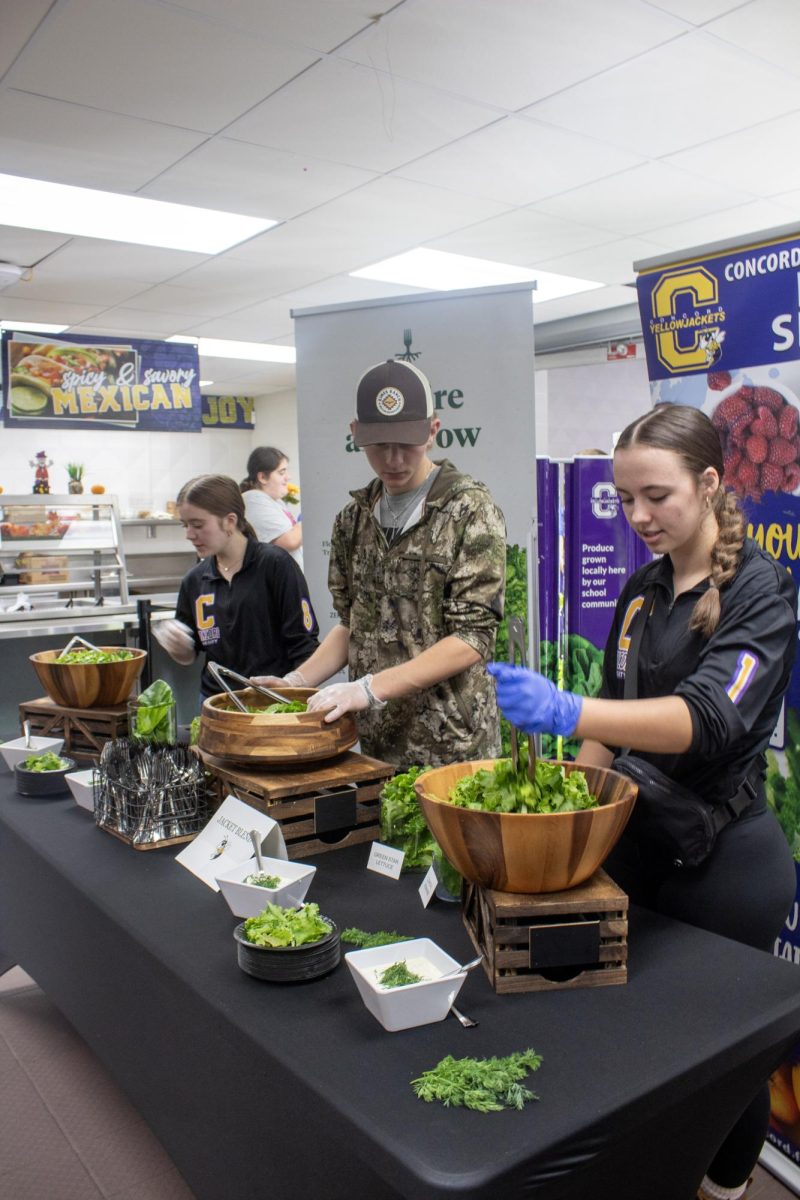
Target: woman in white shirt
(264, 488)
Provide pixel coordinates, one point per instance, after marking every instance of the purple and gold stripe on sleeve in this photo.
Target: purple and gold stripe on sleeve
(746, 667)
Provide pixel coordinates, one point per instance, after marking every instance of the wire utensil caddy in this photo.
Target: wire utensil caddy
(151, 796)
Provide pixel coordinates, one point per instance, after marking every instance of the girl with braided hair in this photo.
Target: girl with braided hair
(715, 656)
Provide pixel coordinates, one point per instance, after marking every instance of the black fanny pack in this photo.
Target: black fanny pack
(677, 823)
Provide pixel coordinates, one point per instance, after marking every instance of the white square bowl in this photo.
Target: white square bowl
(82, 788)
(16, 751)
(414, 1003)
(248, 899)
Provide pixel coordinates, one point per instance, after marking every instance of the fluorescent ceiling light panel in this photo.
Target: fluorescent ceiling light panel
(206, 382)
(442, 272)
(29, 327)
(252, 351)
(85, 212)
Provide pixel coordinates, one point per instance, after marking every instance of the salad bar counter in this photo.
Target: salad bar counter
(260, 1089)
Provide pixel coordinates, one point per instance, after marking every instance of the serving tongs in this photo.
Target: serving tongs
(219, 673)
(516, 646)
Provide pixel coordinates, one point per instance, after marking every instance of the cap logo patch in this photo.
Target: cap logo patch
(389, 401)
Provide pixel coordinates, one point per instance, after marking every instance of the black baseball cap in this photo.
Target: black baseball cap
(394, 403)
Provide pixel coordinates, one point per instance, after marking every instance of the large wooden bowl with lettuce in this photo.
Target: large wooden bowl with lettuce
(526, 852)
(262, 739)
(89, 680)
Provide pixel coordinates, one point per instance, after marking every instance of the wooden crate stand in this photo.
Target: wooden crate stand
(327, 807)
(575, 938)
(85, 730)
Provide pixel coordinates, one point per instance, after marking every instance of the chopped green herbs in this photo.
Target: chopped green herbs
(93, 656)
(277, 926)
(45, 762)
(262, 880)
(504, 790)
(397, 975)
(360, 937)
(485, 1084)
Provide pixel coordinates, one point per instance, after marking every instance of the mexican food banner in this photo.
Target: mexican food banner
(722, 332)
(81, 381)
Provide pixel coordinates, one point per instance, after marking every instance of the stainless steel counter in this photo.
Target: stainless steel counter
(83, 619)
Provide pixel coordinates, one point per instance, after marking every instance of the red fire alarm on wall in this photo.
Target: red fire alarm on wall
(620, 350)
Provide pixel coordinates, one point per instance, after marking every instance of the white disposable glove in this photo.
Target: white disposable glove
(177, 639)
(290, 679)
(340, 698)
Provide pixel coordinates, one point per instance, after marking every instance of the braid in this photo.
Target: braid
(725, 557)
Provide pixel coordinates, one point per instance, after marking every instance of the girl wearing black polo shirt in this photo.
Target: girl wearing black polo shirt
(714, 664)
(245, 605)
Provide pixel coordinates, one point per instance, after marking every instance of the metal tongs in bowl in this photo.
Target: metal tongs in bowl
(516, 646)
(217, 672)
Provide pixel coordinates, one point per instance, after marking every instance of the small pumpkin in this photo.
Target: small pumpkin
(97, 489)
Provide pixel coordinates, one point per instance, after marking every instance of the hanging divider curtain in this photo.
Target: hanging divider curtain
(722, 333)
(475, 347)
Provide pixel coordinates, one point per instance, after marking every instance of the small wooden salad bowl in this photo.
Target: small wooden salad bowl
(89, 685)
(526, 852)
(263, 740)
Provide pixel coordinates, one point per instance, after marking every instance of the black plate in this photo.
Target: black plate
(288, 964)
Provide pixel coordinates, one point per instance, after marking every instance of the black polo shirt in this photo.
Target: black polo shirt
(733, 682)
(261, 623)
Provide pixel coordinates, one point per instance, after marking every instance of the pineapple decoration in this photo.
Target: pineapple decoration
(75, 472)
(41, 479)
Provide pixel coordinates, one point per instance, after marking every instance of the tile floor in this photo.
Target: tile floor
(68, 1133)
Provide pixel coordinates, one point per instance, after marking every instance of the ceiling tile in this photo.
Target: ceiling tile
(20, 19)
(253, 180)
(241, 280)
(93, 258)
(339, 110)
(153, 61)
(638, 106)
(505, 53)
(520, 161)
(697, 12)
(344, 289)
(167, 298)
(611, 263)
(138, 323)
(644, 199)
(97, 291)
(265, 322)
(584, 302)
(753, 27)
(28, 246)
(736, 222)
(69, 143)
(45, 311)
(748, 157)
(316, 23)
(522, 237)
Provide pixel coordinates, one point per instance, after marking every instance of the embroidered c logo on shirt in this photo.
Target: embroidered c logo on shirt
(746, 666)
(631, 611)
(201, 603)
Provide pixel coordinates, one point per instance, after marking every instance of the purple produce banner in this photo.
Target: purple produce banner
(81, 381)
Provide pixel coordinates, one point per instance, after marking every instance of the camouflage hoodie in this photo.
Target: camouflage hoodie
(445, 576)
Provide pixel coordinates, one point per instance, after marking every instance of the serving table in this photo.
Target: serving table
(265, 1092)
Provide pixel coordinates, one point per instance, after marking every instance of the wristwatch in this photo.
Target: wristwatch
(372, 699)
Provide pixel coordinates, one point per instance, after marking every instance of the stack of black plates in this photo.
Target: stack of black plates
(288, 964)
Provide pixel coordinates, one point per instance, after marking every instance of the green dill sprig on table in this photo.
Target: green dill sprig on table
(484, 1084)
(366, 941)
(398, 975)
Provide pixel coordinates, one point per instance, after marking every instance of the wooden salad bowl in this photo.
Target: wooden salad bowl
(88, 685)
(265, 740)
(526, 852)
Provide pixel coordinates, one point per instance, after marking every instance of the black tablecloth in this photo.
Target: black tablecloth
(273, 1091)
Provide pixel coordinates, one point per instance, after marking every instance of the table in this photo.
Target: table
(266, 1091)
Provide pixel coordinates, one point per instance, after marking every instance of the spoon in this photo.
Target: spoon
(466, 1021)
(256, 840)
(466, 967)
(26, 729)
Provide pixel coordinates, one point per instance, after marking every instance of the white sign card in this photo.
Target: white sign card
(428, 887)
(225, 841)
(385, 860)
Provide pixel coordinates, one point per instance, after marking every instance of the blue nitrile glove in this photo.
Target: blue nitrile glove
(533, 703)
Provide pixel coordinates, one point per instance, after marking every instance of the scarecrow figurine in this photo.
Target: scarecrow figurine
(41, 482)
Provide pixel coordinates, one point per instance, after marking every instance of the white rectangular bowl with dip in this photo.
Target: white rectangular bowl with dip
(16, 751)
(410, 1004)
(249, 899)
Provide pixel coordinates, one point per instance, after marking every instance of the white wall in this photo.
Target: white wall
(145, 470)
(581, 407)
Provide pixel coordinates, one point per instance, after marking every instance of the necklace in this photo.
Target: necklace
(393, 514)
